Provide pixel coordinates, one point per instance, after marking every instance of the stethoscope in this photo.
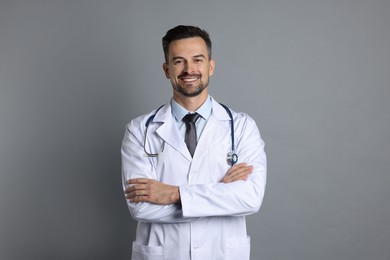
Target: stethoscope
(232, 157)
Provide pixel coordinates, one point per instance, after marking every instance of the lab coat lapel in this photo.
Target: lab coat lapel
(214, 129)
(169, 131)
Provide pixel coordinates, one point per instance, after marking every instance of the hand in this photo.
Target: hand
(152, 191)
(239, 172)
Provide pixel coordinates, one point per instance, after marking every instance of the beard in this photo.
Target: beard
(183, 90)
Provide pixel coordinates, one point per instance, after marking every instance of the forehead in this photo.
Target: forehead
(188, 47)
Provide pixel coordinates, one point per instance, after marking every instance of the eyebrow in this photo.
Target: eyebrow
(182, 58)
(199, 56)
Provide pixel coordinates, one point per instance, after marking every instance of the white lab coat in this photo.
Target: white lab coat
(210, 222)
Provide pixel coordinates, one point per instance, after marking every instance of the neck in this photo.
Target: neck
(191, 103)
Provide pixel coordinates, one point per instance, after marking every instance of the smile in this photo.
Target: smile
(189, 78)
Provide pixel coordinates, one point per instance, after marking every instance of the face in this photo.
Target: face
(189, 67)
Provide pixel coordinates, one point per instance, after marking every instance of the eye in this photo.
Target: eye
(178, 61)
(198, 60)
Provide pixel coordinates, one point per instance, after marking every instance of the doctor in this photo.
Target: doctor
(192, 205)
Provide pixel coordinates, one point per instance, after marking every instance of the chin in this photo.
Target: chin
(194, 93)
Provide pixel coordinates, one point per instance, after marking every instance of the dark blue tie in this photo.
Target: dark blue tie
(190, 136)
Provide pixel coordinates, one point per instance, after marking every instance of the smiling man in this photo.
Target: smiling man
(192, 169)
(189, 66)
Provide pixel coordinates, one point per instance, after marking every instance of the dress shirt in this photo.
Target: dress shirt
(204, 111)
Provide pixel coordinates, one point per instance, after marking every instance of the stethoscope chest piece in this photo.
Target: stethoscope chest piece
(232, 158)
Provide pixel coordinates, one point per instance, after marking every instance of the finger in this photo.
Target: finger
(235, 168)
(245, 171)
(137, 199)
(232, 176)
(136, 193)
(135, 188)
(242, 176)
(239, 165)
(240, 169)
(242, 173)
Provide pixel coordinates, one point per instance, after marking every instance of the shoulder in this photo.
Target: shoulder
(141, 122)
(224, 111)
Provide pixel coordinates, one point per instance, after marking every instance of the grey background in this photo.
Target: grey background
(314, 74)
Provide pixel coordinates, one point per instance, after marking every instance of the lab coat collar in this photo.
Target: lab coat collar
(165, 112)
(169, 132)
(218, 111)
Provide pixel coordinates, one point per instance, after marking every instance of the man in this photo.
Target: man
(191, 203)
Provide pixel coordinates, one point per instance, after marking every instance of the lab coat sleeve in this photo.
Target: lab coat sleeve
(136, 165)
(238, 198)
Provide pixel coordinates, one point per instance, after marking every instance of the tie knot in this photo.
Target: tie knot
(191, 118)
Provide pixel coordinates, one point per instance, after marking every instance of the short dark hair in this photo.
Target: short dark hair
(183, 32)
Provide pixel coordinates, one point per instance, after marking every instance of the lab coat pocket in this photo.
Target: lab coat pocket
(141, 252)
(238, 248)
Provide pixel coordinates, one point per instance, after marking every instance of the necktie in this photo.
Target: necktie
(190, 136)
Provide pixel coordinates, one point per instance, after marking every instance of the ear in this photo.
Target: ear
(166, 70)
(212, 67)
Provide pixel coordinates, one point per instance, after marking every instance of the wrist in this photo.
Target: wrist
(176, 196)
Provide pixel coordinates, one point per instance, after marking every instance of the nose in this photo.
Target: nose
(189, 67)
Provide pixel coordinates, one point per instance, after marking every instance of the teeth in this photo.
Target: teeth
(189, 79)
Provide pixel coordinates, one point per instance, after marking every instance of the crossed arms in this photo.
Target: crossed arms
(152, 191)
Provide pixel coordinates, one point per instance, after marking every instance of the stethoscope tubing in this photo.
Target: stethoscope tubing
(232, 156)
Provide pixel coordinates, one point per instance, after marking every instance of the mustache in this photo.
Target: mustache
(186, 74)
